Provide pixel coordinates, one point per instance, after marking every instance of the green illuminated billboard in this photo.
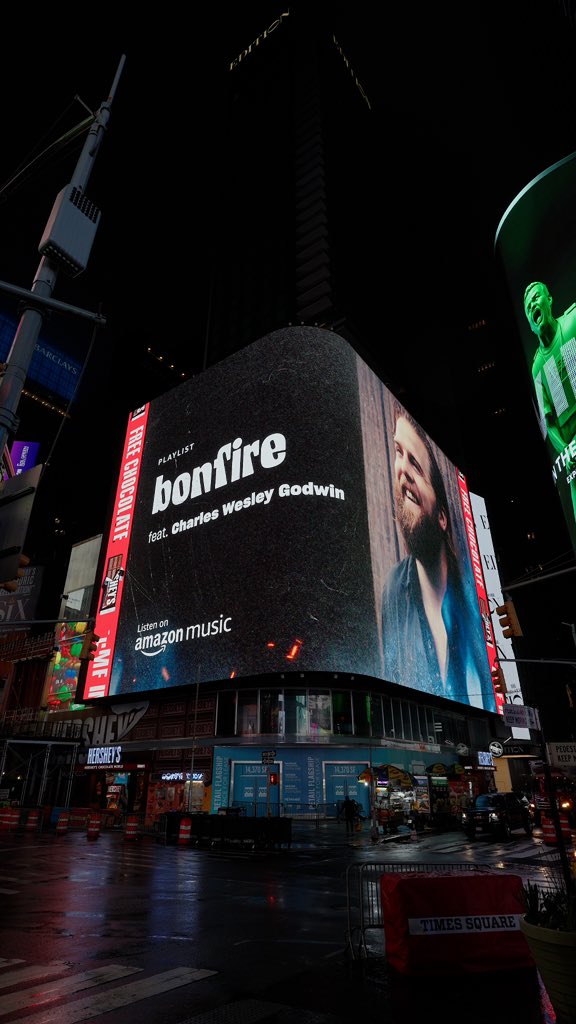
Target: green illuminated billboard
(536, 243)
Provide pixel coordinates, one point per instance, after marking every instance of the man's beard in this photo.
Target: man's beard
(422, 534)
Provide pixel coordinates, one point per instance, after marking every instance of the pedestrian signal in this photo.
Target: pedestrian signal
(273, 778)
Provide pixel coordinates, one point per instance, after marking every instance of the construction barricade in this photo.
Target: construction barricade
(437, 923)
(131, 831)
(94, 825)
(549, 836)
(33, 819)
(9, 819)
(185, 831)
(62, 823)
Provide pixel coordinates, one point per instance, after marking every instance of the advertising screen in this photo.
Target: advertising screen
(504, 647)
(282, 513)
(537, 247)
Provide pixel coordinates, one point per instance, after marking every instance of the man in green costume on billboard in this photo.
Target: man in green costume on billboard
(554, 376)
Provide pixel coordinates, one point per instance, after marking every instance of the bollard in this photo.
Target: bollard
(131, 827)
(62, 823)
(185, 832)
(94, 822)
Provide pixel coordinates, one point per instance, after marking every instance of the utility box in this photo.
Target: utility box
(71, 229)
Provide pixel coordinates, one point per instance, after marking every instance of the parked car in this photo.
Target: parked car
(497, 813)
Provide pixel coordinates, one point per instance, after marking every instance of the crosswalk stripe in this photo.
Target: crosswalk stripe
(39, 971)
(123, 995)
(65, 986)
(10, 963)
(9, 892)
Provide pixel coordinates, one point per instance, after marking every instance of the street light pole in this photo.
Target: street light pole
(81, 234)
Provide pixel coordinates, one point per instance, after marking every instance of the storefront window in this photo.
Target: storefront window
(377, 717)
(269, 711)
(247, 712)
(342, 713)
(407, 720)
(388, 716)
(320, 711)
(398, 728)
(226, 713)
(361, 713)
(295, 718)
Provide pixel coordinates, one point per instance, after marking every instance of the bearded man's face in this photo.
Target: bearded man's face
(417, 510)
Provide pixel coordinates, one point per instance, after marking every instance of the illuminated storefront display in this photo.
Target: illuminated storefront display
(63, 672)
(256, 531)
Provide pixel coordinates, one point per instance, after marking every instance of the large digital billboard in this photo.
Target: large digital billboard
(536, 243)
(283, 513)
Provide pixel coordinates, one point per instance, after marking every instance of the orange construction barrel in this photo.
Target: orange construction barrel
(94, 822)
(185, 832)
(548, 831)
(131, 827)
(33, 819)
(62, 823)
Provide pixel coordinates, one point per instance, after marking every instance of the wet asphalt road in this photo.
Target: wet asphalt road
(114, 931)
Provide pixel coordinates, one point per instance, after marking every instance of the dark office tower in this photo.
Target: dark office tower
(295, 225)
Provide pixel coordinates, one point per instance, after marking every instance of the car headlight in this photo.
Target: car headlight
(493, 817)
(464, 816)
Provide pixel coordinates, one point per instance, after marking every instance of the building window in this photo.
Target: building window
(296, 713)
(247, 712)
(342, 713)
(320, 710)
(226, 713)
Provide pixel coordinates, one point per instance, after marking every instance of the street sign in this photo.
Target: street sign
(520, 716)
(496, 748)
(562, 754)
(268, 756)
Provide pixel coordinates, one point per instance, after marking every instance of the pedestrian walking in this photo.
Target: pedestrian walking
(349, 811)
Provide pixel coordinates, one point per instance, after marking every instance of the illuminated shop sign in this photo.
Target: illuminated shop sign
(104, 756)
(537, 247)
(181, 777)
(485, 759)
(279, 513)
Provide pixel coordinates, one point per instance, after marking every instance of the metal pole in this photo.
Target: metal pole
(3, 761)
(44, 776)
(564, 863)
(28, 330)
(71, 776)
(190, 790)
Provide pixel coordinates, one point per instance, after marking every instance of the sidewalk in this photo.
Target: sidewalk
(342, 989)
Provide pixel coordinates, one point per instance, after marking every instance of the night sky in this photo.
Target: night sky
(471, 102)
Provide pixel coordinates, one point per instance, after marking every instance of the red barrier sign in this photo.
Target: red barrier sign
(453, 923)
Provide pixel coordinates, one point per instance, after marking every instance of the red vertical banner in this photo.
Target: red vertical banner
(99, 671)
(480, 584)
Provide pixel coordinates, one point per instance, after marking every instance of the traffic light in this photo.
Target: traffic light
(89, 645)
(10, 585)
(498, 679)
(509, 620)
(273, 778)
